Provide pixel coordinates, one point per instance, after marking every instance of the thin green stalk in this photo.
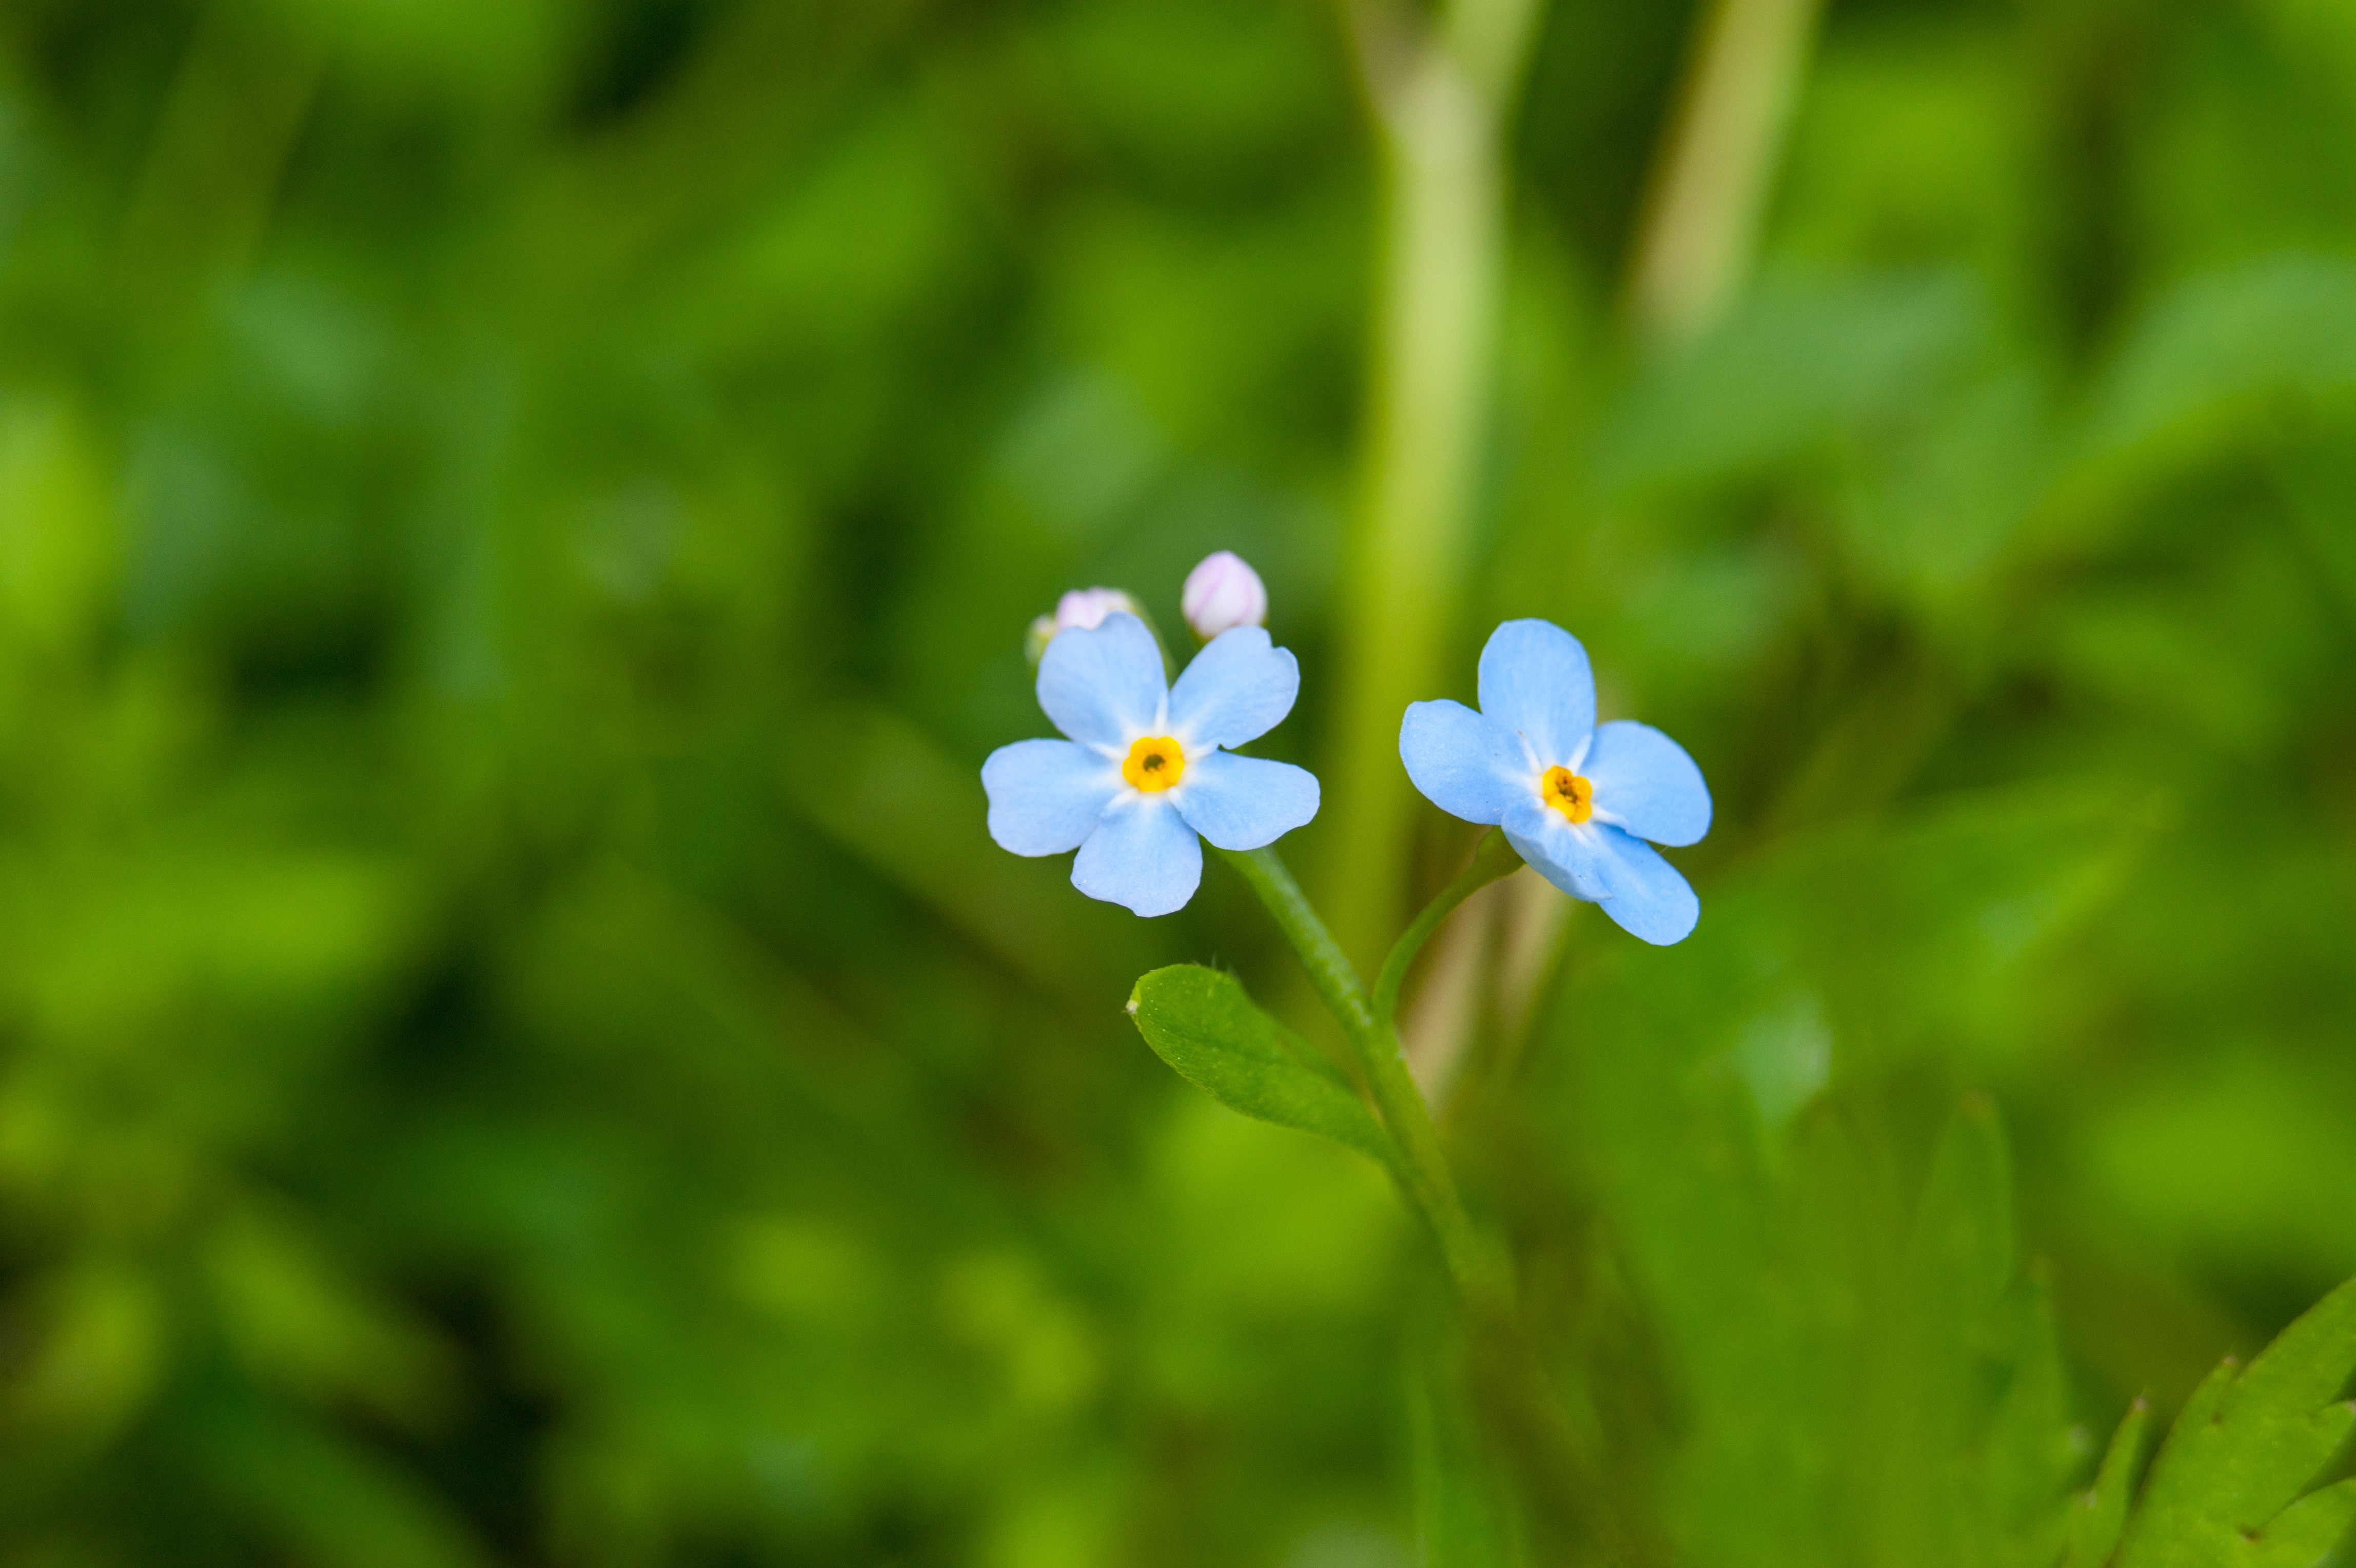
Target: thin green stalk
(1442, 85)
(1493, 859)
(1477, 1271)
(1702, 222)
(1563, 1472)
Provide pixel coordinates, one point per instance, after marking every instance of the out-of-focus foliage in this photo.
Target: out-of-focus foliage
(515, 527)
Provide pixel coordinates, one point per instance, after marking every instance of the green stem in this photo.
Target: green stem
(1495, 858)
(1563, 1473)
(1441, 83)
(1702, 222)
(1477, 1271)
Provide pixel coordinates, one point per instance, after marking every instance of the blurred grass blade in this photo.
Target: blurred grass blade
(1200, 1021)
(1462, 1518)
(1963, 1235)
(1720, 164)
(2223, 363)
(874, 783)
(1442, 104)
(2102, 1512)
(2247, 1443)
(329, 1498)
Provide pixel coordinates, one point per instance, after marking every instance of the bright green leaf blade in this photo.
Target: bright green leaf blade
(2224, 1489)
(2304, 1533)
(1200, 1021)
(2308, 1366)
(2281, 1459)
(2175, 1509)
(2100, 1514)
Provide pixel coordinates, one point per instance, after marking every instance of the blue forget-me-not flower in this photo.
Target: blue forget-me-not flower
(1145, 768)
(1578, 801)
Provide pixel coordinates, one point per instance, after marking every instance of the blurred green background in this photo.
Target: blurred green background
(517, 521)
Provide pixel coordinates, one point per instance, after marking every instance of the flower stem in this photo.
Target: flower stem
(1475, 1268)
(1494, 858)
(1562, 1471)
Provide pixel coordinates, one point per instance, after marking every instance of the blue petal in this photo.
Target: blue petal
(1645, 783)
(1244, 802)
(1467, 765)
(1102, 685)
(1648, 897)
(1143, 856)
(1238, 688)
(1535, 678)
(1046, 795)
(1592, 861)
(1565, 855)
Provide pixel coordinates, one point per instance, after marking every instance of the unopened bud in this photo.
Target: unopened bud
(1089, 607)
(1083, 607)
(1223, 594)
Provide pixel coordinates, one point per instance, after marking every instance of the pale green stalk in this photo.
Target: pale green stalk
(1441, 95)
(1710, 190)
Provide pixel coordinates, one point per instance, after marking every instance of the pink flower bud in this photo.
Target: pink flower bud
(1222, 594)
(1087, 607)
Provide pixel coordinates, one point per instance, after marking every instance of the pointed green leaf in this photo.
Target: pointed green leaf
(2017, 1475)
(2304, 1534)
(2100, 1513)
(1201, 1022)
(2225, 1489)
(1963, 1234)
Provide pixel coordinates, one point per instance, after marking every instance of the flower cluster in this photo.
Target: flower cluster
(1149, 766)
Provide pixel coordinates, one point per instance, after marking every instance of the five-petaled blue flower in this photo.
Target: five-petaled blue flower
(1577, 802)
(1145, 772)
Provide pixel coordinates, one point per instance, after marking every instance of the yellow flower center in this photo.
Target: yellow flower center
(1154, 764)
(1564, 790)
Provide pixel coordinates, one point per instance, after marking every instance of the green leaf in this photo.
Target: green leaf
(2215, 358)
(1966, 1410)
(1200, 1021)
(2101, 1513)
(2304, 1533)
(1963, 1235)
(2225, 1491)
